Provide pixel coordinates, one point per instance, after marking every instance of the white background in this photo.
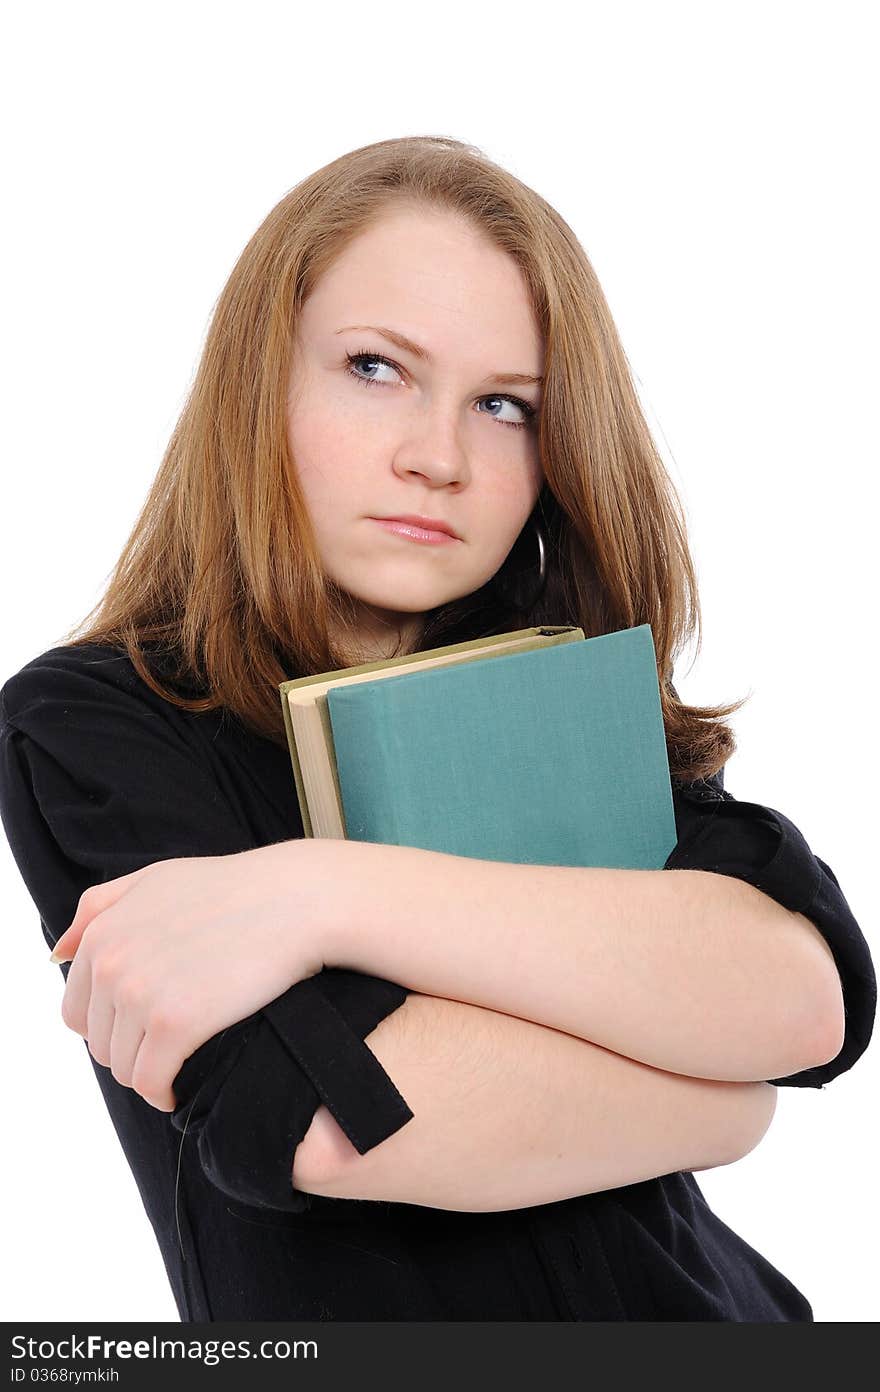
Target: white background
(716, 163)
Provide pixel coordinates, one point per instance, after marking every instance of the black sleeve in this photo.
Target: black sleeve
(95, 783)
(761, 846)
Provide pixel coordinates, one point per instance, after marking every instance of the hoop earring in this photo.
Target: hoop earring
(506, 583)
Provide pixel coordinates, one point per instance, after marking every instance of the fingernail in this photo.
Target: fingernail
(56, 956)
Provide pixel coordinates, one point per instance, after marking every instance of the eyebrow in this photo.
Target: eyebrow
(521, 378)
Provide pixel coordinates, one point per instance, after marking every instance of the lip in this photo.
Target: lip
(418, 528)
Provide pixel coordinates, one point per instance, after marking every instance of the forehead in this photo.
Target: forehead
(431, 275)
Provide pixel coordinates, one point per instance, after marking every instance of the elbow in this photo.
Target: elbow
(755, 1112)
(323, 1156)
(831, 1022)
(828, 1035)
(327, 1164)
(824, 1028)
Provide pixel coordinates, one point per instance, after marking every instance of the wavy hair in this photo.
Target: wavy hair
(219, 595)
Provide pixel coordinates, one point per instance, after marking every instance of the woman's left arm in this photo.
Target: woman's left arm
(686, 970)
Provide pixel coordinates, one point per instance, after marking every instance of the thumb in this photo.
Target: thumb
(61, 952)
(67, 944)
(91, 902)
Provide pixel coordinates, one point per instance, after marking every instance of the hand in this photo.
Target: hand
(167, 956)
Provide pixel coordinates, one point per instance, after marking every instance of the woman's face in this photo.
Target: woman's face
(434, 435)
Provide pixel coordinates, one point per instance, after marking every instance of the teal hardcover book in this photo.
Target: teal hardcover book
(553, 756)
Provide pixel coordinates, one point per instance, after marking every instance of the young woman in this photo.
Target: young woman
(356, 1081)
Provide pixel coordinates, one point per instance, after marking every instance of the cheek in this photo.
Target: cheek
(324, 452)
(511, 495)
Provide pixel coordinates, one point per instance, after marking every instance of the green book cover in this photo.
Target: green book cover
(469, 650)
(552, 756)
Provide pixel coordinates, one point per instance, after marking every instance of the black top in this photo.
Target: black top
(98, 777)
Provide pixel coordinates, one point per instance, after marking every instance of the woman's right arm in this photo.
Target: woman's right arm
(510, 1113)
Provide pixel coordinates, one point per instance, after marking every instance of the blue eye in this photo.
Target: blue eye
(365, 356)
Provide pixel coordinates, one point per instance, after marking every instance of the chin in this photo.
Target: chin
(401, 598)
(393, 606)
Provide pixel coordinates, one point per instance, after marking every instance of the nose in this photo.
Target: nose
(434, 452)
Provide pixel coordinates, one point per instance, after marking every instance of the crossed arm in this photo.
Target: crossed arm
(576, 1030)
(509, 1113)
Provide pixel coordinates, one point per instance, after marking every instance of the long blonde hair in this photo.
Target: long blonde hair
(220, 576)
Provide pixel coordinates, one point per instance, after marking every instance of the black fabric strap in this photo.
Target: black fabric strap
(347, 1076)
(247, 1096)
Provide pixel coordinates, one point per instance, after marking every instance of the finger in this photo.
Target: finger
(100, 1020)
(77, 993)
(126, 1039)
(158, 1062)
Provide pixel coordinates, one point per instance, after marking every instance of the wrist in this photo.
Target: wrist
(330, 875)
